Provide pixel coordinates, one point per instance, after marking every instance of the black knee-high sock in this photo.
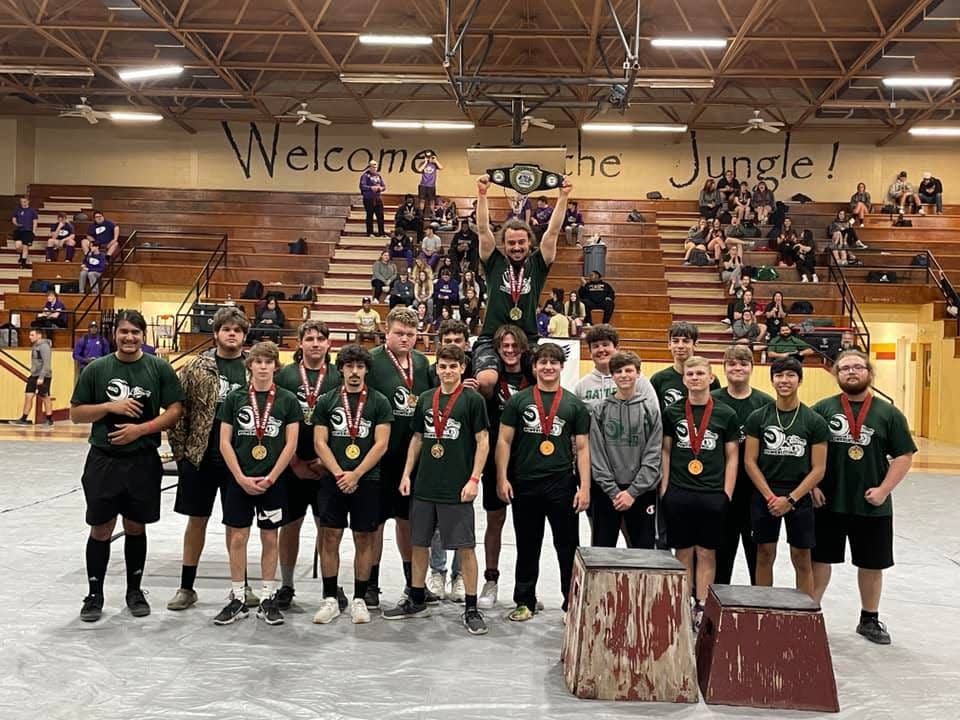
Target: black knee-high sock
(375, 576)
(135, 555)
(188, 574)
(98, 556)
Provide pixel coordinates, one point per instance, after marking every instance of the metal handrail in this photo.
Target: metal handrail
(14, 361)
(104, 285)
(200, 285)
(936, 273)
(849, 305)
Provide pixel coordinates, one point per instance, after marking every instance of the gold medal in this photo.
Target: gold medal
(352, 452)
(546, 448)
(855, 452)
(259, 452)
(695, 467)
(437, 451)
(412, 401)
(516, 313)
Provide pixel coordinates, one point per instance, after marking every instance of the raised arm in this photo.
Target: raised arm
(548, 245)
(487, 242)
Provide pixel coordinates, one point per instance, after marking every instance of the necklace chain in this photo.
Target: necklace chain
(780, 422)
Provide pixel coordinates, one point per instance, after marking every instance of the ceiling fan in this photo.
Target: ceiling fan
(526, 121)
(758, 123)
(302, 115)
(82, 110)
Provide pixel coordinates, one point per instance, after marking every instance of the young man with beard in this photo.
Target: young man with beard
(449, 448)
(597, 385)
(743, 399)
(195, 441)
(700, 439)
(785, 457)
(515, 279)
(400, 374)
(121, 395)
(539, 429)
(351, 430)
(668, 383)
(626, 438)
(259, 425)
(869, 453)
(308, 379)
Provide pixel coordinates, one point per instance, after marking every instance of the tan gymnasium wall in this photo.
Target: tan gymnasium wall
(265, 156)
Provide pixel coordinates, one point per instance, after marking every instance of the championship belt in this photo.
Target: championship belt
(525, 178)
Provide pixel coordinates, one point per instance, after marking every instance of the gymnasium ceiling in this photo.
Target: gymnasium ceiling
(807, 63)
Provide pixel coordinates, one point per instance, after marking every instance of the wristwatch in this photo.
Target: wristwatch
(793, 503)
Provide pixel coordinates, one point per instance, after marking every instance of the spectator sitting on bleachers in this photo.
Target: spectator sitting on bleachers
(776, 314)
(62, 235)
(446, 292)
(843, 237)
(54, 313)
(735, 238)
(521, 208)
(848, 341)
(470, 309)
(805, 256)
(468, 279)
(424, 320)
(409, 218)
(543, 322)
(447, 264)
(728, 187)
(746, 302)
(401, 292)
(764, 202)
(401, 247)
(743, 202)
(92, 268)
(736, 290)
(576, 312)
(444, 215)
(430, 247)
(384, 273)
(901, 192)
(465, 245)
(102, 232)
(269, 322)
(541, 217)
(709, 200)
(931, 191)
(572, 223)
(786, 344)
(423, 291)
(555, 300)
(697, 232)
(860, 203)
(90, 346)
(784, 234)
(368, 322)
(717, 243)
(730, 270)
(558, 326)
(597, 294)
(443, 315)
(746, 331)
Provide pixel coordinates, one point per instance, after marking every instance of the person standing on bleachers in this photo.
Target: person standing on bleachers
(24, 220)
(372, 187)
(62, 235)
(931, 191)
(427, 189)
(103, 233)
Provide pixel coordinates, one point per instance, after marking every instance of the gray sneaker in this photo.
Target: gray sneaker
(473, 622)
(874, 631)
(182, 599)
(405, 609)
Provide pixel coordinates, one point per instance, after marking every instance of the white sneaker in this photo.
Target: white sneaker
(488, 595)
(458, 592)
(329, 609)
(726, 321)
(815, 278)
(358, 612)
(436, 583)
(921, 211)
(803, 278)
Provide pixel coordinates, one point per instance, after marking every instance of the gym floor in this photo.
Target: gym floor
(180, 665)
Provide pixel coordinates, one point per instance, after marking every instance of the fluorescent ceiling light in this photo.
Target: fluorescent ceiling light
(667, 83)
(394, 79)
(637, 127)
(918, 81)
(168, 45)
(685, 42)
(135, 117)
(46, 71)
(423, 125)
(395, 40)
(935, 131)
(151, 72)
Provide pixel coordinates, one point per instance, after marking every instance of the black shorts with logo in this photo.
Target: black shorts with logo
(198, 487)
(127, 485)
(41, 390)
(362, 506)
(694, 517)
(765, 528)
(269, 509)
(871, 539)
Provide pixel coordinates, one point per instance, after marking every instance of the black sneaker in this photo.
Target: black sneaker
(284, 597)
(341, 599)
(473, 622)
(137, 602)
(405, 609)
(431, 598)
(269, 612)
(874, 631)
(92, 608)
(372, 598)
(234, 610)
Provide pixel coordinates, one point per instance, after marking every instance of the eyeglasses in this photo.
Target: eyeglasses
(852, 369)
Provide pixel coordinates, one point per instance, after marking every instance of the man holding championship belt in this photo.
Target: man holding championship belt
(869, 453)
(535, 458)
(699, 467)
(515, 279)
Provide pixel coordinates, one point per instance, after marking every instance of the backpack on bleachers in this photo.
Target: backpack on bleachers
(700, 258)
(802, 307)
(750, 230)
(70, 286)
(765, 272)
(39, 286)
(9, 335)
(298, 246)
(920, 260)
(304, 293)
(253, 290)
(881, 276)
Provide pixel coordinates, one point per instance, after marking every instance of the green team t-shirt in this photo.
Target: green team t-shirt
(289, 379)
(791, 344)
(499, 302)
(233, 375)
(441, 480)
(236, 411)
(386, 379)
(149, 380)
(329, 412)
(742, 407)
(529, 470)
(669, 387)
(722, 428)
(885, 434)
(785, 449)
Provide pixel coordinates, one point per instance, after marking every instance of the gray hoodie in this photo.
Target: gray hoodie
(40, 361)
(595, 387)
(625, 444)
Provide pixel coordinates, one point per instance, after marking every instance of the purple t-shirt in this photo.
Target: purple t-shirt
(572, 218)
(542, 215)
(368, 180)
(523, 211)
(25, 218)
(102, 233)
(64, 232)
(428, 177)
(95, 262)
(446, 290)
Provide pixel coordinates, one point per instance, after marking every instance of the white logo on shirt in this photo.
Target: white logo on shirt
(451, 431)
(505, 283)
(119, 389)
(710, 438)
(777, 442)
(246, 426)
(338, 425)
(531, 422)
(226, 387)
(671, 396)
(400, 399)
(99, 230)
(840, 431)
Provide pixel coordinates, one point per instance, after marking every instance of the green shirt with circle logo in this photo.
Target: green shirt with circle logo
(329, 413)
(669, 387)
(289, 379)
(232, 374)
(722, 428)
(742, 407)
(499, 301)
(786, 440)
(237, 412)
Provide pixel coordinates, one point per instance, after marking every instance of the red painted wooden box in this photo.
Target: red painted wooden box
(628, 627)
(765, 647)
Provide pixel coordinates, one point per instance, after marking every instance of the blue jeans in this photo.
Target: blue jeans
(937, 200)
(438, 558)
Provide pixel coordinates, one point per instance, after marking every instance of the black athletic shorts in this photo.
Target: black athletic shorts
(42, 390)
(303, 494)
(694, 517)
(198, 486)
(765, 528)
(269, 509)
(127, 485)
(871, 539)
(426, 192)
(455, 521)
(491, 501)
(24, 236)
(392, 503)
(362, 506)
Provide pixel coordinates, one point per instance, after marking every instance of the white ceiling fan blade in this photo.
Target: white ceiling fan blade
(302, 120)
(322, 119)
(92, 119)
(769, 129)
(773, 123)
(540, 123)
(747, 129)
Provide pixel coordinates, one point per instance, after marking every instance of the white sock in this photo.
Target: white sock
(268, 587)
(238, 591)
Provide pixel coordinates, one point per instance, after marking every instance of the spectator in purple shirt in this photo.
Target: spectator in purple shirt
(24, 220)
(90, 347)
(62, 235)
(446, 292)
(104, 233)
(573, 223)
(94, 265)
(372, 187)
(427, 190)
(541, 217)
(54, 313)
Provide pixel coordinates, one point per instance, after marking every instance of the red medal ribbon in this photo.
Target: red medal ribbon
(697, 433)
(407, 374)
(312, 393)
(516, 283)
(505, 387)
(353, 422)
(440, 420)
(261, 427)
(546, 419)
(856, 423)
